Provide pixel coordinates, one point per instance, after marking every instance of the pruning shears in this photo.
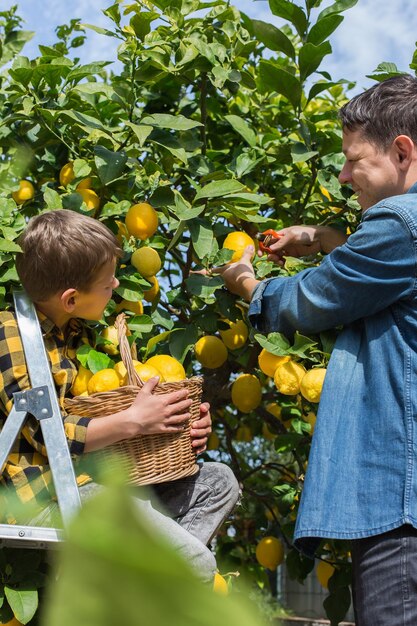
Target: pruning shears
(267, 238)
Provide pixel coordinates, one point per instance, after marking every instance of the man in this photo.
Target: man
(361, 482)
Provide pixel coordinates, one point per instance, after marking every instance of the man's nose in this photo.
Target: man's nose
(345, 175)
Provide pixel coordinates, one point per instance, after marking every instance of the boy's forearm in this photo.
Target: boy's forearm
(104, 431)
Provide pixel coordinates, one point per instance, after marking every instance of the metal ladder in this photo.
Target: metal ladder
(41, 402)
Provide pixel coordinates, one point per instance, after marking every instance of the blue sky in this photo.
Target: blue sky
(372, 31)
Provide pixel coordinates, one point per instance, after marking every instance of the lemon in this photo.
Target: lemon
(269, 362)
(110, 333)
(141, 220)
(135, 307)
(147, 371)
(210, 351)
(267, 433)
(147, 261)
(312, 384)
(237, 241)
(288, 376)
(213, 441)
(121, 371)
(104, 380)
(66, 176)
(122, 231)
(170, 369)
(220, 585)
(80, 383)
(324, 571)
(270, 552)
(25, 192)
(13, 622)
(236, 335)
(246, 392)
(310, 418)
(90, 198)
(276, 411)
(244, 433)
(152, 294)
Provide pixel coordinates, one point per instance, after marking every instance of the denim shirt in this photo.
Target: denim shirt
(361, 478)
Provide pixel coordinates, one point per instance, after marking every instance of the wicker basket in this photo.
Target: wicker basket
(146, 459)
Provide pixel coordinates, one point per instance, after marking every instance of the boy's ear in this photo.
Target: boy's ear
(68, 300)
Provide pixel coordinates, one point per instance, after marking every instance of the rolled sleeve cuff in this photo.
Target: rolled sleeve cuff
(255, 307)
(76, 432)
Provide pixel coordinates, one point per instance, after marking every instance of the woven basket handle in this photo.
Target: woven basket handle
(126, 351)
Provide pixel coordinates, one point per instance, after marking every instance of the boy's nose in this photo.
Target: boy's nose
(116, 283)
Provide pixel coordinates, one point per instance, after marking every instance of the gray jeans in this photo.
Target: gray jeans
(188, 511)
(385, 578)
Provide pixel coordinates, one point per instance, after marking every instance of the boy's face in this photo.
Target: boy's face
(90, 304)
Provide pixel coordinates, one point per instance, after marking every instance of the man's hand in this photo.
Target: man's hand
(201, 429)
(305, 240)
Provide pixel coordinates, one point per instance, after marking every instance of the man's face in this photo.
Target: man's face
(372, 173)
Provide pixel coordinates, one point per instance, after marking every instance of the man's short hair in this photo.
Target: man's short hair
(384, 111)
(61, 250)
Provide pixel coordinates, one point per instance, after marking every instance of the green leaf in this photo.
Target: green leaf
(302, 346)
(141, 131)
(170, 143)
(337, 605)
(172, 122)
(23, 602)
(110, 165)
(9, 246)
(300, 153)
(298, 566)
(274, 78)
(99, 30)
(273, 38)
(202, 236)
(183, 209)
(203, 286)
(141, 23)
(219, 188)
(291, 12)
(337, 7)
(276, 343)
(323, 28)
(97, 361)
(182, 341)
(153, 341)
(141, 324)
(242, 127)
(52, 199)
(287, 442)
(319, 87)
(83, 71)
(310, 57)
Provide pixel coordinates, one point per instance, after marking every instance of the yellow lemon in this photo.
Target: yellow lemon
(276, 411)
(135, 307)
(147, 371)
(25, 192)
(312, 384)
(13, 622)
(104, 380)
(147, 261)
(121, 371)
(220, 585)
(310, 418)
(66, 176)
(210, 351)
(288, 376)
(236, 335)
(90, 198)
(152, 294)
(267, 433)
(270, 552)
(246, 393)
(170, 369)
(121, 231)
(244, 433)
(141, 220)
(324, 571)
(110, 333)
(237, 241)
(269, 362)
(213, 441)
(80, 383)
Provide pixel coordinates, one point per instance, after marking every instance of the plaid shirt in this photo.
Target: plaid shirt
(27, 470)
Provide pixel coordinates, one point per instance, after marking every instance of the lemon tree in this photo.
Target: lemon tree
(215, 127)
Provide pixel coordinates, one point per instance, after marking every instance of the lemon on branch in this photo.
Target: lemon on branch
(152, 294)
(66, 176)
(141, 220)
(324, 571)
(25, 192)
(170, 369)
(90, 198)
(147, 261)
(312, 384)
(269, 362)
(270, 552)
(210, 351)
(104, 380)
(135, 307)
(236, 335)
(110, 334)
(288, 376)
(220, 585)
(246, 392)
(238, 241)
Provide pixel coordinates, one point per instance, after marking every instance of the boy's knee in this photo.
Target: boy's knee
(224, 479)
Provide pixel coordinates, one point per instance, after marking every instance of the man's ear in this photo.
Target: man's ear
(68, 300)
(404, 150)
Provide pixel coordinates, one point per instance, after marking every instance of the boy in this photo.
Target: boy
(67, 267)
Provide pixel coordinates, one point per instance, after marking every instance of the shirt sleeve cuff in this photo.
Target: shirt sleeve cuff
(255, 307)
(76, 432)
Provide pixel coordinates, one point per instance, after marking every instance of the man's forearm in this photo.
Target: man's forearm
(330, 238)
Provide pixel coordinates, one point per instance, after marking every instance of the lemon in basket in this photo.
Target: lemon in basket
(79, 386)
(169, 368)
(104, 380)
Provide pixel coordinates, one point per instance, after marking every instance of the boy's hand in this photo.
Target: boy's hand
(158, 413)
(201, 429)
(239, 277)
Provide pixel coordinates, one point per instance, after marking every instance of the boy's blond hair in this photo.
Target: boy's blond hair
(61, 250)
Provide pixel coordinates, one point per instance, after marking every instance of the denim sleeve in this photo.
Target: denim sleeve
(374, 269)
